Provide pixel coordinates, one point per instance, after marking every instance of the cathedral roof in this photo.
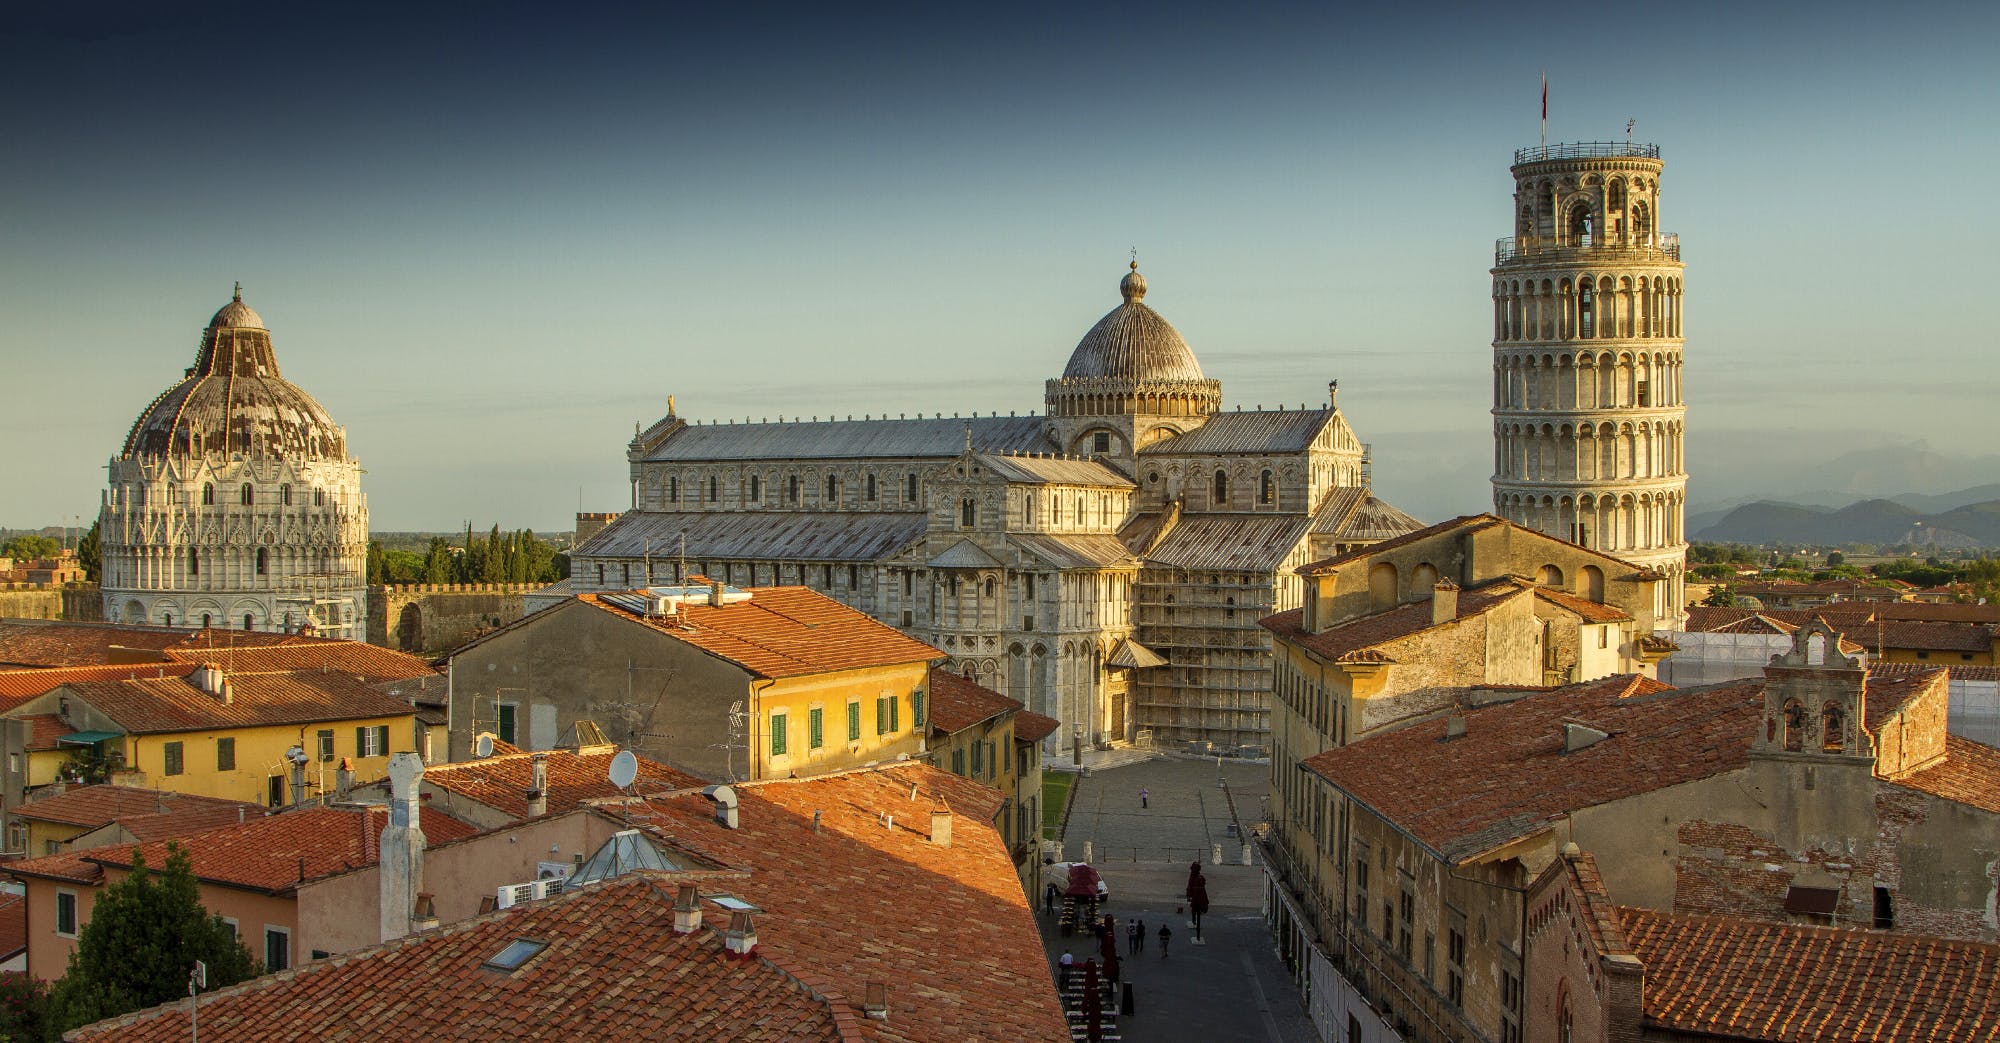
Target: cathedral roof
(1260, 432)
(942, 437)
(1132, 342)
(232, 400)
(855, 536)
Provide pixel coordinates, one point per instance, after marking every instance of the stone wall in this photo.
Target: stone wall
(433, 618)
(78, 602)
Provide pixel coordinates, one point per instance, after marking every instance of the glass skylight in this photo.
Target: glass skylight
(517, 952)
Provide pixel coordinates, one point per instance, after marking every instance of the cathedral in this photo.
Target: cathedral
(1105, 563)
(234, 502)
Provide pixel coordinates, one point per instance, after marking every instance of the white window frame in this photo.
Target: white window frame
(235, 928)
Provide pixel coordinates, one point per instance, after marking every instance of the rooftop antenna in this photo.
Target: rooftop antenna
(1545, 108)
(1629, 124)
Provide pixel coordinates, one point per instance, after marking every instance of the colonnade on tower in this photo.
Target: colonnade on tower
(1588, 418)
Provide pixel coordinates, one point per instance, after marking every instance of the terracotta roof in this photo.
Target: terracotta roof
(67, 865)
(1469, 522)
(1969, 774)
(157, 813)
(785, 632)
(840, 906)
(958, 703)
(1702, 619)
(280, 851)
(1957, 671)
(87, 644)
(501, 782)
(1508, 777)
(1748, 979)
(613, 970)
(19, 686)
(1030, 726)
(151, 705)
(354, 658)
(1888, 695)
(13, 925)
(1929, 637)
(1382, 627)
(1591, 611)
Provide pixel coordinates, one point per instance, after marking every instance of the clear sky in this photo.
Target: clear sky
(489, 238)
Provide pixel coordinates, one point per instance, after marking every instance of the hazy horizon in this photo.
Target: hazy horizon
(489, 244)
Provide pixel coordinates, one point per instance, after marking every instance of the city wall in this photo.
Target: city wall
(433, 618)
(78, 602)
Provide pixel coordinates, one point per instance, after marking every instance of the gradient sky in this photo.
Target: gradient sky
(489, 238)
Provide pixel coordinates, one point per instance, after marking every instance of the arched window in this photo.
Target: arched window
(1266, 488)
(1381, 586)
(248, 495)
(284, 494)
(1565, 1020)
(1028, 509)
(756, 489)
(208, 494)
(870, 489)
(248, 623)
(714, 489)
(1423, 581)
(792, 489)
(194, 562)
(1795, 725)
(833, 488)
(319, 497)
(1582, 224)
(263, 562)
(1593, 583)
(1642, 222)
(207, 621)
(968, 513)
(1550, 576)
(1833, 728)
(1221, 494)
(673, 489)
(987, 589)
(1229, 610)
(910, 487)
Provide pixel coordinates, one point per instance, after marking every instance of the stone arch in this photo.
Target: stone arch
(1592, 583)
(1793, 720)
(1381, 586)
(1423, 581)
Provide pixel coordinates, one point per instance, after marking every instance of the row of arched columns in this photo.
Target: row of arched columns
(1588, 380)
(1587, 452)
(1590, 308)
(1611, 522)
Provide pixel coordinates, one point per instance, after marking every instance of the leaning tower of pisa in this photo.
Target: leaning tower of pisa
(1587, 409)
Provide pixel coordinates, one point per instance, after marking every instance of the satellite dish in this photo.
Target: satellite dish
(482, 746)
(624, 769)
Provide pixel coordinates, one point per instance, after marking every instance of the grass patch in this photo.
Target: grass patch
(1055, 797)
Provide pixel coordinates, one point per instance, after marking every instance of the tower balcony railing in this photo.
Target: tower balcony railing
(1586, 150)
(1543, 247)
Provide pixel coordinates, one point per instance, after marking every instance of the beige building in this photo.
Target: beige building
(1588, 419)
(234, 502)
(1105, 564)
(1810, 796)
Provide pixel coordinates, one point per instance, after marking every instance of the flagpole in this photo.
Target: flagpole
(1545, 108)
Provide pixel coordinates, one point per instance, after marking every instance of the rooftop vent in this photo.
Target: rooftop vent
(941, 828)
(725, 804)
(687, 909)
(208, 678)
(875, 1000)
(1454, 727)
(741, 937)
(1581, 736)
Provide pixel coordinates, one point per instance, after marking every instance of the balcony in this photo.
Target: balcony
(1664, 247)
(1586, 150)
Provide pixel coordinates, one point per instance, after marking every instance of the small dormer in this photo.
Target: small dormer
(1815, 699)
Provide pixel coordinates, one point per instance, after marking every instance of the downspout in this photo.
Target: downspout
(756, 724)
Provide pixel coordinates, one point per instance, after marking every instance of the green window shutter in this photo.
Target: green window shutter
(361, 742)
(815, 734)
(917, 708)
(958, 761)
(225, 754)
(853, 722)
(171, 754)
(777, 735)
(895, 712)
(881, 716)
(978, 754)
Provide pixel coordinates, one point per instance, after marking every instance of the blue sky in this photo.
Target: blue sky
(489, 238)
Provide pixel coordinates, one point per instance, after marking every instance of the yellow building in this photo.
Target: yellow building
(725, 684)
(98, 816)
(196, 728)
(982, 735)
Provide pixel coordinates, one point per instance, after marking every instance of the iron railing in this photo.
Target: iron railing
(1586, 150)
(1665, 246)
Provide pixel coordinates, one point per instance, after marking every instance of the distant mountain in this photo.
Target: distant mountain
(1880, 521)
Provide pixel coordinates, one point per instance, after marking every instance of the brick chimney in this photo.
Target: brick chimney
(715, 596)
(741, 937)
(1444, 602)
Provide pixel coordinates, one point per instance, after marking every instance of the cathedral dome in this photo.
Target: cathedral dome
(233, 401)
(1132, 342)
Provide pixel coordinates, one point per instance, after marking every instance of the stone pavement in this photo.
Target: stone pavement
(1233, 987)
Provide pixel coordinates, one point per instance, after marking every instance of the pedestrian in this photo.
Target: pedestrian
(1068, 962)
(1143, 795)
(1049, 900)
(1137, 936)
(1166, 935)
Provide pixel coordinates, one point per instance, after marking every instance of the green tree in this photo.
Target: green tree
(24, 1006)
(144, 936)
(90, 555)
(1835, 559)
(1720, 597)
(29, 546)
(378, 571)
(439, 566)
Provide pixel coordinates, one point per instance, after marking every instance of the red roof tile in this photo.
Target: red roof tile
(353, 658)
(20, 685)
(150, 705)
(281, 851)
(13, 925)
(785, 632)
(64, 865)
(613, 970)
(1748, 979)
(1591, 611)
(1366, 632)
(155, 810)
(958, 703)
(1969, 774)
(88, 644)
(1030, 726)
(501, 782)
(1508, 776)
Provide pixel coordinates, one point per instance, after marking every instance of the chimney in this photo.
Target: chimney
(538, 797)
(425, 917)
(208, 678)
(1444, 602)
(875, 1000)
(227, 694)
(343, 780)
(401, 866)
(687, 910)
(1581, 736)
(941, 828)
(741, 938)
(715, 599)
(725, 804)
(1454, 727)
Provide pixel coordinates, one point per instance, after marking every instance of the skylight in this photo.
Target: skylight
(734, 905)
(517, 952)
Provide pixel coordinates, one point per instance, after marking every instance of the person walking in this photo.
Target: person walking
(1166, 935)
(1137, 936)
(1068, 962)
(1144, 794)
(1049, 900)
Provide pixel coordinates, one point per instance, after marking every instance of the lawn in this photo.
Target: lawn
(1055, 796)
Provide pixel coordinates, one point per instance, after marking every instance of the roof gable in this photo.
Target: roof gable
(783, 632)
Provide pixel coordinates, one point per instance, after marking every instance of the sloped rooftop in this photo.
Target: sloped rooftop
(784, 632)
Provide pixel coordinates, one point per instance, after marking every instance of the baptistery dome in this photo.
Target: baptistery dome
(234, 502)
(1132, 342)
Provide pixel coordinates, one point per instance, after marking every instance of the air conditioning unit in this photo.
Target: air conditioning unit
(514, 894)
